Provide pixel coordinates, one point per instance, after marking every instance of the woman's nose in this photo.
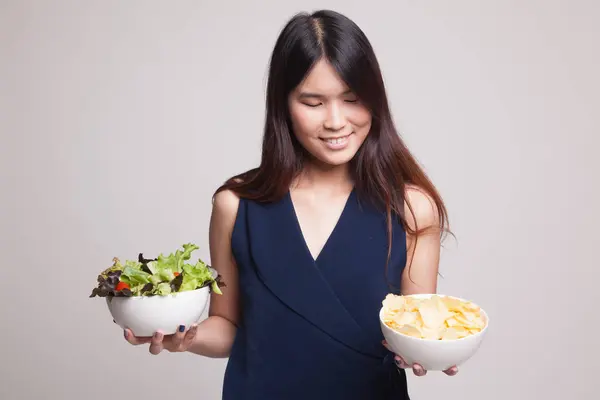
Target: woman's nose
(335, 119)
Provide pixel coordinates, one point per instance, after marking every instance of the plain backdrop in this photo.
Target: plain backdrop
(120, 118)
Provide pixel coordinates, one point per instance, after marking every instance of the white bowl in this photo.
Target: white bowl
(145, 315)
(433, 355)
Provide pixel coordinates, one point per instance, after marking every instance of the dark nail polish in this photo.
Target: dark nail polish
(114, 321)
(181, 328)
(125, 334)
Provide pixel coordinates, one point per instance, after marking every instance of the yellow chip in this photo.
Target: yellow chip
(432, 333)
(437, 317)
(410, 331)
(406, 318)
(450, 334)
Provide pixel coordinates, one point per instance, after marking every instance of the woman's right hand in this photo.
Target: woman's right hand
(175, 343)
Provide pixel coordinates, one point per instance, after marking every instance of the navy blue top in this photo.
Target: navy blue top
(309, 329)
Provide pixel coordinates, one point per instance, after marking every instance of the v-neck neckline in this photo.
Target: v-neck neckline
(298, 226)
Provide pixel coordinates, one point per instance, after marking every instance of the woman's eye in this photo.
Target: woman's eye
(312, 105)
(351, 100)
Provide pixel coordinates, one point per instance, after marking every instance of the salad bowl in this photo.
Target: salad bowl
(160, 294)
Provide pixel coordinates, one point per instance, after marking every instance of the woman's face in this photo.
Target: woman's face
(326, 117)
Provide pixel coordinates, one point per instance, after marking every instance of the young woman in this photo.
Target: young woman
(337, 215)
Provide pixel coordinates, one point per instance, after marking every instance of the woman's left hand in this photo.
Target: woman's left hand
(418, 370)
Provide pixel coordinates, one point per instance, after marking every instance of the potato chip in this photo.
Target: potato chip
(406, 318)
(450, 334)
(410, 331)
(436, 318)
(396, 303)
(431, 333)
(433, 316)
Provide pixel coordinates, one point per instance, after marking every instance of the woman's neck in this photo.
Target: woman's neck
(324, 177)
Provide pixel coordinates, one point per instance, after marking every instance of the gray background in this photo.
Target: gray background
(120, 118)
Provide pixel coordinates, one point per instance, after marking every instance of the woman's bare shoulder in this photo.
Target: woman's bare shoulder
(424, 209)
(225, 207)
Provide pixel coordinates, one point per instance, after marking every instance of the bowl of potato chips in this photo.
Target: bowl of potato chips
(433, 330)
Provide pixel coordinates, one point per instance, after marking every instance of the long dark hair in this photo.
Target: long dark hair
(383, 166)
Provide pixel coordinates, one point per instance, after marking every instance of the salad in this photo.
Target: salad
(159, 276)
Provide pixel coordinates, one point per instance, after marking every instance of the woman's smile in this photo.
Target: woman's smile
(336, 142)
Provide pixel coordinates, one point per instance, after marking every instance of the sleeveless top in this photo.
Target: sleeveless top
(309, 328)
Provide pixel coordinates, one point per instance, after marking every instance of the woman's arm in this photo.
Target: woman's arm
(215, 335)
(422, 264)
(423, 255)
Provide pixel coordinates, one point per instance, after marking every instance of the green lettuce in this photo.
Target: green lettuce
(163, 275)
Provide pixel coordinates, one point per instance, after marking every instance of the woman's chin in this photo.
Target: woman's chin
(335, 158)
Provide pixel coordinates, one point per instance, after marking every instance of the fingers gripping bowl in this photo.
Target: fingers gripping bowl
(160, 294)
(435, 331)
